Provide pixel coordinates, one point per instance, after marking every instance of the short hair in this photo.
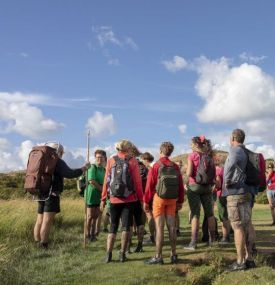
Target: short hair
(166, 148)
(238, 135)
(147, 156)
(101, 152)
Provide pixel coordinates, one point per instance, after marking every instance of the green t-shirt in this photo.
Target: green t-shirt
(93, 195)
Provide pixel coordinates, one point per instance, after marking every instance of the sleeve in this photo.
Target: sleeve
(136, 178)
(151, 183)
(104, 193)
(92, 172)
(65, 171)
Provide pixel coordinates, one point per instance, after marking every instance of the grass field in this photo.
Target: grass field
(66, 262)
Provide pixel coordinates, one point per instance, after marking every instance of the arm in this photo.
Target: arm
(181, 192)
(92, 178)
(151, 183)
(136, 178)
(65, 171)
(189, 172)
(104, 193)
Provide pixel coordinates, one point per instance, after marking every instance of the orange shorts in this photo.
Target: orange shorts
(165, 207)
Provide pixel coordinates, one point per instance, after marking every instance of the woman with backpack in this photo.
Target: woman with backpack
(199, 179)
(122, 182)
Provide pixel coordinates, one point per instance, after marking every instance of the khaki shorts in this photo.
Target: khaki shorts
(239, 210)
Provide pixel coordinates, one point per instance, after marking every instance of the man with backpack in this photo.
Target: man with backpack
(46, 165)
(238, 176)
(165, 187)
(122, 183)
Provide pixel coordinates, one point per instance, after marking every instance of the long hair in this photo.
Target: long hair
(201, 144)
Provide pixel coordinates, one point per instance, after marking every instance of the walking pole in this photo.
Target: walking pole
(85, 196)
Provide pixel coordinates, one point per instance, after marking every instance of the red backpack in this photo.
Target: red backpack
(40, 168)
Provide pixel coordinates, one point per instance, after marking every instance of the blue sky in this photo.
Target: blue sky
(148, 71)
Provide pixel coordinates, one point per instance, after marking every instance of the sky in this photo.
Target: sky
(147, 71)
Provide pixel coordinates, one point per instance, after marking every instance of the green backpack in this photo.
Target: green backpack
(168, 181)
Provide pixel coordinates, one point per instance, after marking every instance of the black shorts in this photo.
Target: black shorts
(138, 214)
(50, 205)
(93, 206)
(123, 211)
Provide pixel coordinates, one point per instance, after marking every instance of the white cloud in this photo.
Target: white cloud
(100, 124)
(24, 151)
(234, 94)
(182, 128)
(19, 116)
(4, 144)
(248, 57)
(113, 61)
(176, 64)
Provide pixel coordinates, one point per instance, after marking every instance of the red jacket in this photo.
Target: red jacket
(152, 180)
(134, 170)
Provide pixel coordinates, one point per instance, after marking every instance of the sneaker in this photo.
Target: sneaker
(237, 266)
(250, 264)
(191, 246)
(108, 257)
(122, 256)
(154, 260)
(174, 259)
(224, 240)
(139, 248)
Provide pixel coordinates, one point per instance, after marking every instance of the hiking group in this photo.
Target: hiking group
(133, 190)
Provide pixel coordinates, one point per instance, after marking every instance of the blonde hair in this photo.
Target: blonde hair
(127, 146)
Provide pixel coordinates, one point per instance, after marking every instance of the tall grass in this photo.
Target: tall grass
(66, 262)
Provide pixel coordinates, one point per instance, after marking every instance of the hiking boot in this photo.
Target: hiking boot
(250, 264)
(139, 248)
(44, 245)
(93, 239)
(174, 259)
(108, 257)
(122, 256)
(191, 246)
(237, 266)
(105, 230)
(154, 260)
(224, 240)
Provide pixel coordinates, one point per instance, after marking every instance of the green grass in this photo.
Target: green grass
(66, 262)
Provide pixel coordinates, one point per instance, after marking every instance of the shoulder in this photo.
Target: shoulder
(193, 156)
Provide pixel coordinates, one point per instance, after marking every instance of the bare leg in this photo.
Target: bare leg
(159, 234)
(37, 227)
(48, 218)
(94, 215)
(195, 229)
(170, 221)
(124, 241)
(98, 223)
(212, 228)
(110, 242)
(239, 236)
(225, 228)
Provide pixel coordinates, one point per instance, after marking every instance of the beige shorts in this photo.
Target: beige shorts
(239, 210)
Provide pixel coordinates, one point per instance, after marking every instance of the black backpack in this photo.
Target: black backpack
(206, 170)
(168, 181)
(121, 183)
(252, 168)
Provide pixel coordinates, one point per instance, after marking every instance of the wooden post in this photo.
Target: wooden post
(85, 194)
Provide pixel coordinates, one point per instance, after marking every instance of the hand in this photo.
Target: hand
(86, 166)
(146, 207)
(179, 206)
(102, 206)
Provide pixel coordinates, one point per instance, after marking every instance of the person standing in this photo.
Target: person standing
(165, 187)
(48, 208)
(92, 195)
(239, 198)
(200, 192)
(122, 182)
(270, 191)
